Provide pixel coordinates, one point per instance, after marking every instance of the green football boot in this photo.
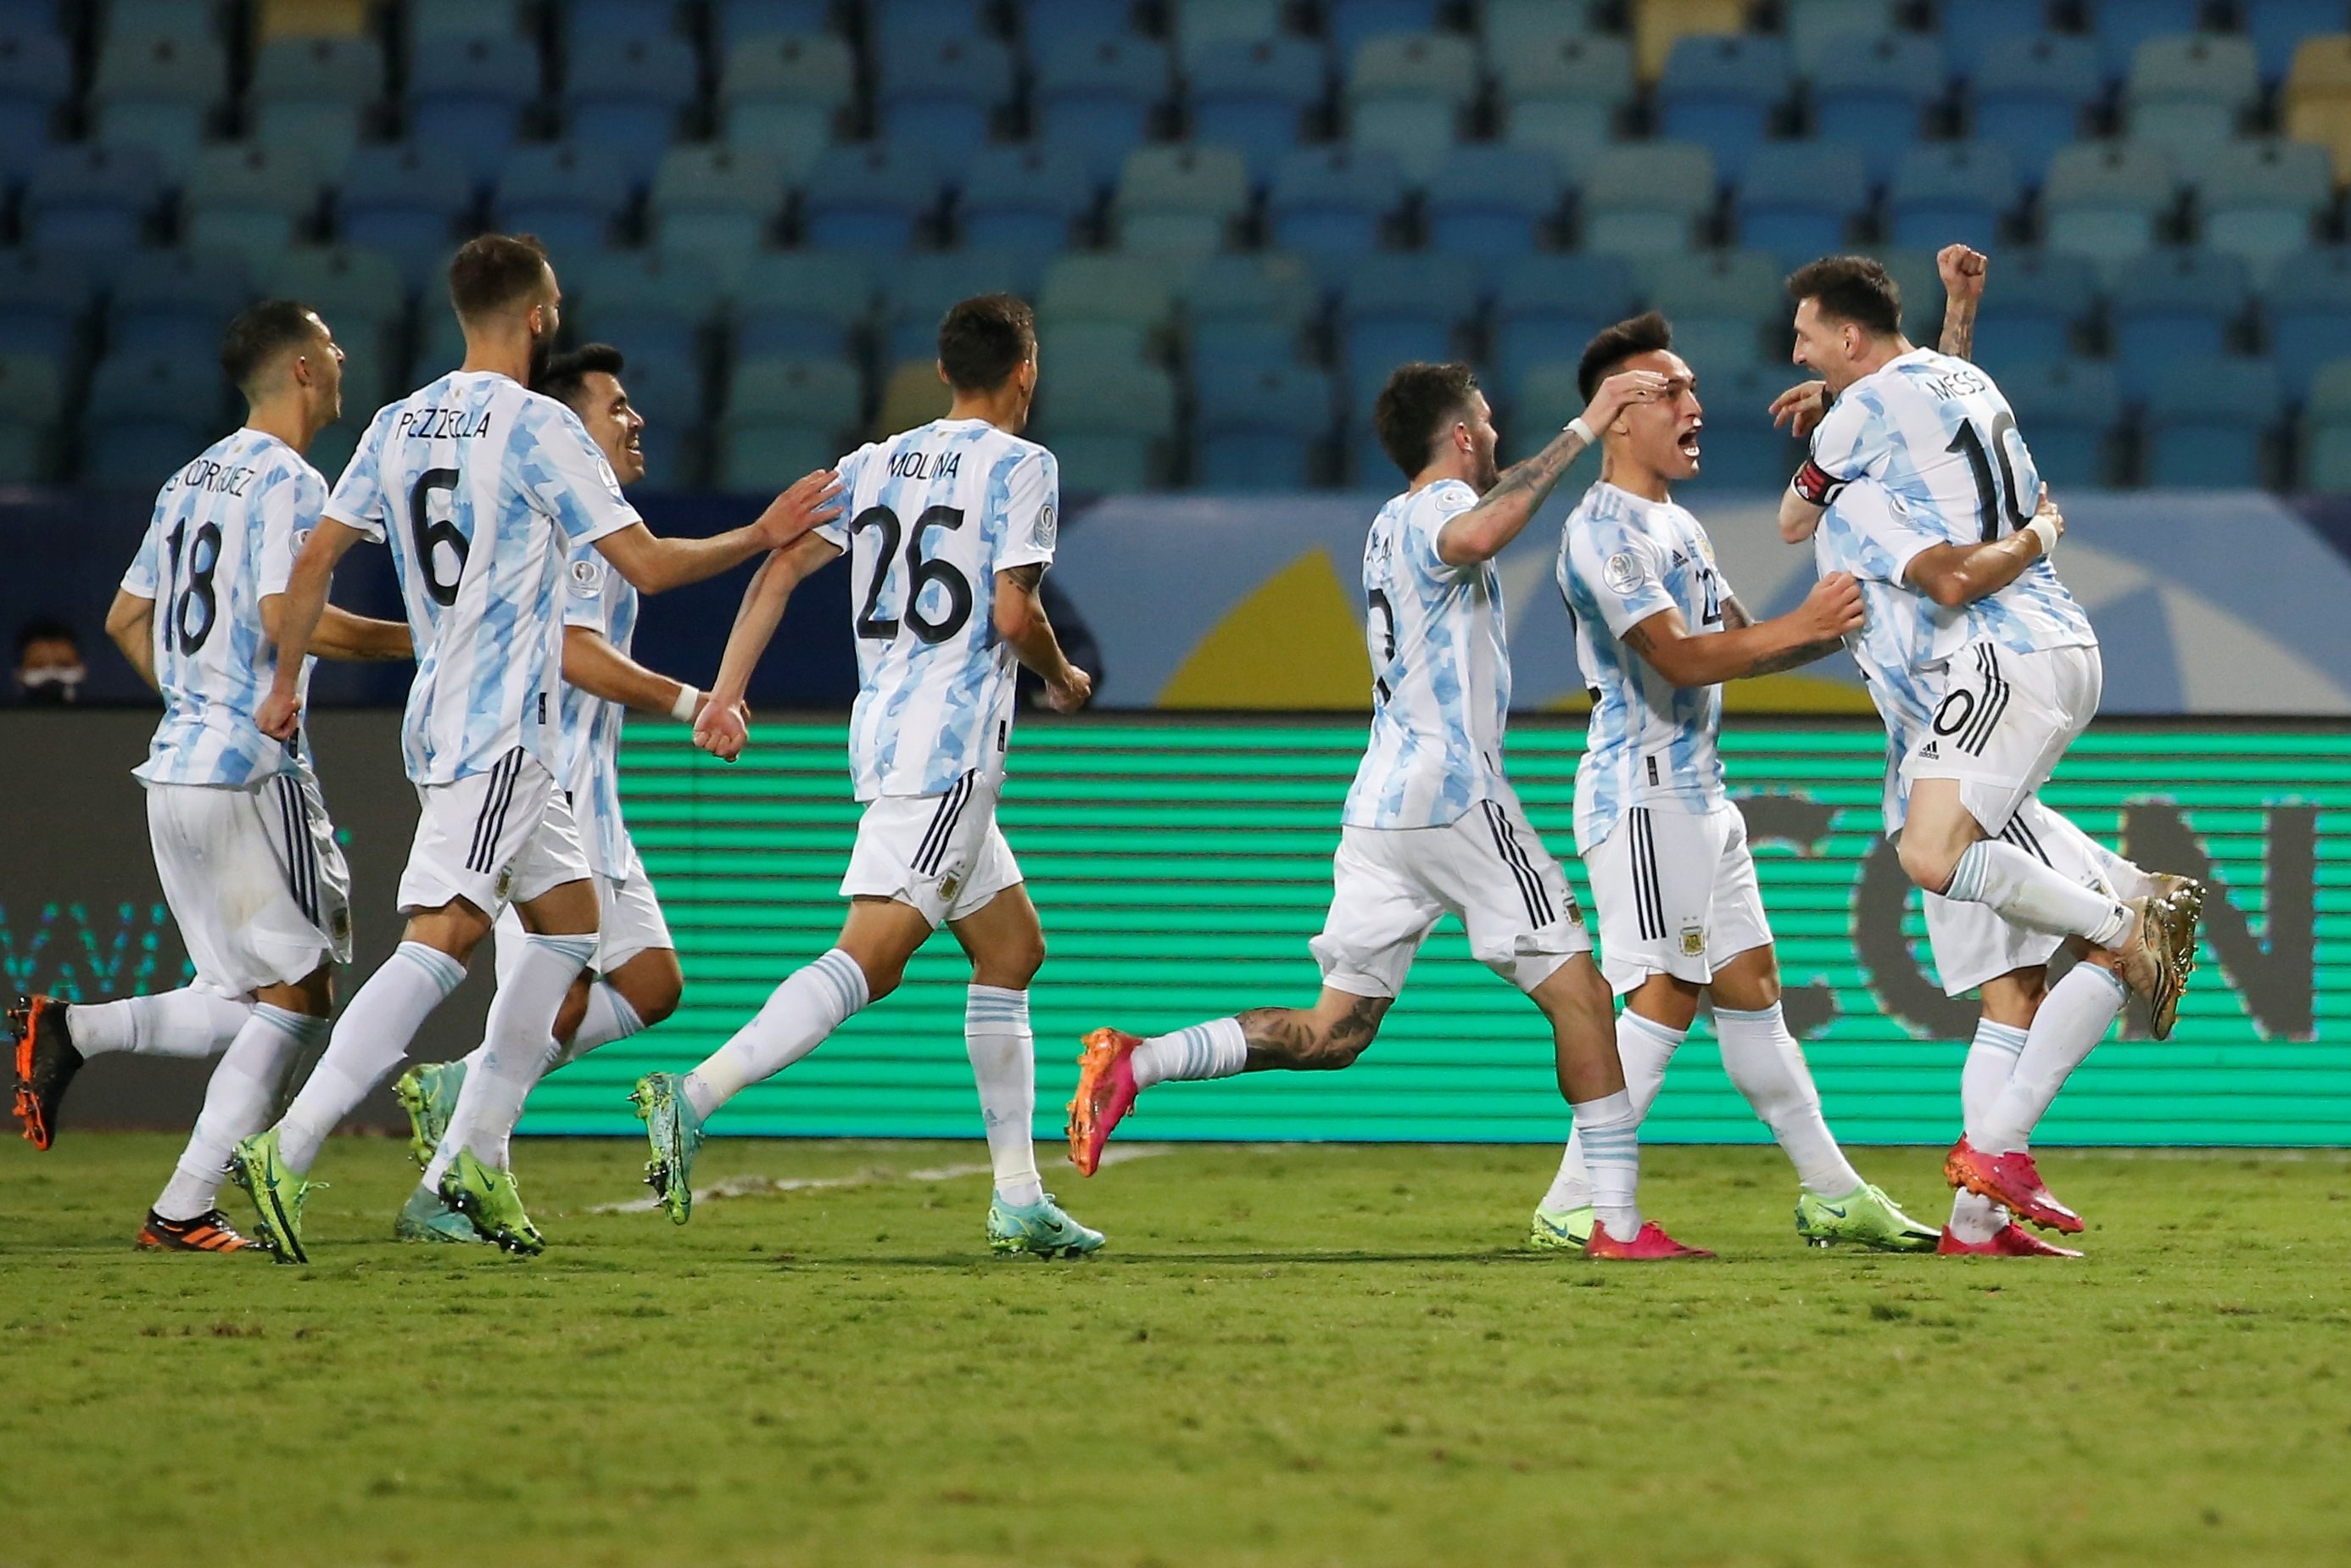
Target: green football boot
(428, 1092)
(675, 1134)
(278, 1191)
(1560, 1229)
(428, 1217)
(1038, 1229)
(1865, 1217)
(490, 1198)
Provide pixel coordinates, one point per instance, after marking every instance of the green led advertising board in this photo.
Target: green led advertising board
(1180, 865)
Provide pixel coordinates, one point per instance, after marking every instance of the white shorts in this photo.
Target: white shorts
(255, 882)
(492, 839)
(1390, 886)
(1972, 944)
(942, 854)
(629, 921)
(1677, 895)
(2004, 723)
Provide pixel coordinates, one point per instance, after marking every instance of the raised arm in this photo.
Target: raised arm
(1021, 619)
(1744, 647)
(1953, 575)
(1485, 530)
(298, 612)
(1962, 272)
(720, 729)
(130, 622)
(655, 565)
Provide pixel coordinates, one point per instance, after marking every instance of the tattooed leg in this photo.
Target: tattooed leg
(1328, 1036)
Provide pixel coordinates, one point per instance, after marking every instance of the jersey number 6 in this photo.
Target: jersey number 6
(430, 534)
(920, 573)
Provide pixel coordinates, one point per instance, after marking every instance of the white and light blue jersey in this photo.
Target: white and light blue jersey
(929, 519)
(224, 535)
(1622, 560)
(605, 603)
(1865, 533)
(482, 489)
(1440, 670)
(1938, 434)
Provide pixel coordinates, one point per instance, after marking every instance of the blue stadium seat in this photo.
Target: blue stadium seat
(1723, 92)
(2029, 95)
(781, 95)
(1262, 430)
(1950, 192)
(1116, 305)
(148, 414)
(1092, 19)
(45, 300)
(734, 22)
(625, 94)
(317, 94)
(872, 195)
(2067, 412)
(2208, 422)
(2105, 200)
(921, 289)
(1201, 24)
(600, 24)
(1112, 427)
(1800, 199)
(2044, 298)
(406, 199)
(760, 457)
(2175, 304)
(250, 196)
(1646, 198)
(802, 304)
(1097, 97)
(435, 24)
(1406, 95)
(895, 26)
(89, 197)
(667, 389)
(1541, 401)
(1565, 95)
(2277, 28)
(2326, 430)
(1242, 311)
(2120, 26)
(1971, 29)
(1256, 96)
(1547, 307)
(1512, 28)
(646, 303)
(1740, 450)
(1820, 30)
(563, 193)
(1024, 195)
(1398, 306)
(2307, 311)
(1487, 199)
(2260, 199)
(1721, 303)
(469, 95)
(1351, 23)
(200, 21)
(36, 78)
(1332, 201)
(1180, 198)
(1875, 96)
(717, 200)
(943, 95)
(32, 399)
(159, 92)
(2189, 94)
(785, 417)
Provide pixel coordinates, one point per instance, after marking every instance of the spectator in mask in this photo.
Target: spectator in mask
(49, 668)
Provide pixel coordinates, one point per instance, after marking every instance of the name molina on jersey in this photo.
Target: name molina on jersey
(444, 423)
(916, 463)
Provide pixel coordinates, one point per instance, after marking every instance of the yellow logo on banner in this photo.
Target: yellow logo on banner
(1296, 642)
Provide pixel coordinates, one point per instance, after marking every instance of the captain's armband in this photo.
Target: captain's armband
(1816, 484)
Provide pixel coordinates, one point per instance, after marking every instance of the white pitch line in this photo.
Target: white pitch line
(769, 1187)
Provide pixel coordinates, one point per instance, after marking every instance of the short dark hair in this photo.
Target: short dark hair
(44, 629)
(565, 379)
(1645, 334)
(492, 272)
(261, 333)
(1853, 288)
(1417, 398)
(984, 339)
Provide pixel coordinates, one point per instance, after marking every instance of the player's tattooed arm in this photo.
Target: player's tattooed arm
(1021, 619)
(1485, 530)
(1811, 631)
(130, 622)
(1962, 271)
(1302, 1040)
(1736, 618)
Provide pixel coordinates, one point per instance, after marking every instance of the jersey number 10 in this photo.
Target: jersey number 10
(1995, 500)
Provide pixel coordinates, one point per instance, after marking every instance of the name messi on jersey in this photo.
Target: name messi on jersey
(1956, 384)
(444, 423)
(920, 464)
(219, 478)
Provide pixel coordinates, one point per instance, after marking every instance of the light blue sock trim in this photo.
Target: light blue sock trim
(444, 971)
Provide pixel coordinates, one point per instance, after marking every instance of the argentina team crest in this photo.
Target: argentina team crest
(1693, 941)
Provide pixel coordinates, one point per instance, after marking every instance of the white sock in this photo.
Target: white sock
(1991, 1059)
(1217, 1049)
(1644, 1048)
(185, 1022)
(1609, 1130)
(1003, 1064)
(371, 1039)
(811, 1004)
(2036, 896)
(608, 1017)
(518, 1048)
(237, 1102)
(2073, 1018)
(1763, 1062)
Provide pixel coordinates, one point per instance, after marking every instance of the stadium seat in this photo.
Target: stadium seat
(1741, 449)
(603, 23)
(1820, 31)
(442, 22)
(44, 298)
(2307, 311)
(1401, 307)
(1332, 201)
(2044, 299)
(1088, 20)
(1541, 404)
(275, 19)
(1198, 25)
(2108, 200)
(2260, 199)
(149, 413)
(2326, 430)
(1800, 199)
(1951, 191)
(1406, 96)
(1724, 94)
(648, 304)
(1973, 29)
(1646, 198)
(717, 201)
(1180, 198)
(1659, 24)
(1112, 428)
(317, 94)
(781, 94)
(469, 94)
(1118, 304)
(1244, 310)
(158, 92)
(1720, 303)
(911, 394)
(801, 303)
(254, 197)
(1351, 23)
(1098, 97)
(36, 78)
(1512, 28)
(2175, 305)
(1565, 95)
(195, 21)
(892, 26)
(2278, 26)
(2067, 410)
(821, 399)
(90, 197)
(2030, 95)
(1547, 307)
(922, 288)
(2208, 422)
(874, 195)
(943, 95)
(736, 21)
(759, 458)
(1024, 195)
(2189, 94)
(2316, 100)
(624, 95)
(1256, 96)
(32, 399)
(563, 193)
(1261, 431)
(2120, 26)
(1492, 200)
(360, 295)
(1875, 94)
(406, 199)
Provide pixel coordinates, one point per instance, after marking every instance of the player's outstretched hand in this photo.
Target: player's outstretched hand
(1962, 271)
(1619, 392)
(278, 717)
(1069, 696)
(1832, 608)
(813, 499)
(723, 731)
(1800, 408)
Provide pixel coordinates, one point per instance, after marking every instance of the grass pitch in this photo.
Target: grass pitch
(1289, 1355)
